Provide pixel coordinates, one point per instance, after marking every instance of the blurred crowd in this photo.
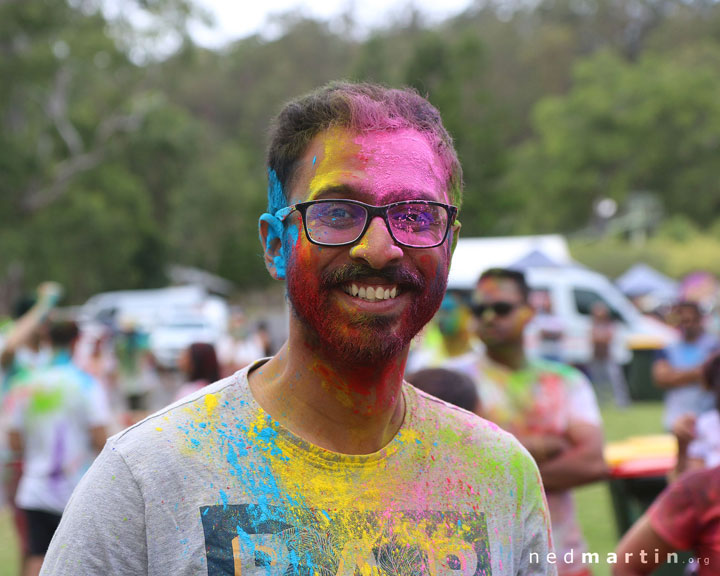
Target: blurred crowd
(65, 389)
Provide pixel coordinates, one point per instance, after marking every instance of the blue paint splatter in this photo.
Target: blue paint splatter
(276, 194)
(224, 498)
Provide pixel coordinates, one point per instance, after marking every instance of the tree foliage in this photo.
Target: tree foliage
(127, 148)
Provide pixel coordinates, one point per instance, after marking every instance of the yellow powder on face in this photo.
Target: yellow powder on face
(336, 163)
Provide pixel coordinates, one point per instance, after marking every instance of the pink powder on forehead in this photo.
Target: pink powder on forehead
(387, 151)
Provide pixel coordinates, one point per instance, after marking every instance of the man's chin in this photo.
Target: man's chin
(371, 343)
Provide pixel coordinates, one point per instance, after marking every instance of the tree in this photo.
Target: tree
(652, 125)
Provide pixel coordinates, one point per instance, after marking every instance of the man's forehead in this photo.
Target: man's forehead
(492, 287)
(377, 167)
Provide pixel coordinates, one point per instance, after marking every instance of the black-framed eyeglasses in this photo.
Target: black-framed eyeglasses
(411, 223)
(498, 308)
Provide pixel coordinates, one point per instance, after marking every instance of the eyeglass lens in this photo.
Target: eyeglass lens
(413, 224)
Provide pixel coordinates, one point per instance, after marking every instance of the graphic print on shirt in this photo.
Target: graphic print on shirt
(250, 539)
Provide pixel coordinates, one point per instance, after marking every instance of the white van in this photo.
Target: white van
(572, 293)
(571, 289)
(172, 317)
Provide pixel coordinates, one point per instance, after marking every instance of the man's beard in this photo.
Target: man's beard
(362, 338)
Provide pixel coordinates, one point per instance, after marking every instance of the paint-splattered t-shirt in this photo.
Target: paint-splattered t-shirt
(213, 485)
(54, 409)
(543, 398)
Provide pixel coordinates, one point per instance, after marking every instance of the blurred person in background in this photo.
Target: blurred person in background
(23, 350)
(449, 386)
(678, 368)
(57, 417)
(241, 345)
(198, 363)
(23, 347)
(550, 407)
(448, 341)
(135, 374)
(605, 373)
(548, 325)
(698, 437)
(686, 516)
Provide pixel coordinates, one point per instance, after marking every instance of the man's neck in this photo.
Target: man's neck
(351, 409)
(510, 356)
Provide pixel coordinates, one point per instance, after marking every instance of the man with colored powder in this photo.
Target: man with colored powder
(58, 417)
(550, 407)
(322, 460)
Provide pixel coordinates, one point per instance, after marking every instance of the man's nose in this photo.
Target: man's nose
(377, 246)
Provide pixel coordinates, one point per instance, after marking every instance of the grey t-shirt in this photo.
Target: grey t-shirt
(213, 485)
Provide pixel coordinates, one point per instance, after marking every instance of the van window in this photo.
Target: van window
(585, 299)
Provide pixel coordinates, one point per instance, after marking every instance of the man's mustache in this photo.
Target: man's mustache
(357, 272)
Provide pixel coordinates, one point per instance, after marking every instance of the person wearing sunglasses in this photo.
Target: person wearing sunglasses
(321, 459)
(549, 406)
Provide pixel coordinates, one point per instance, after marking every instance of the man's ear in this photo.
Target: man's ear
(271, 231)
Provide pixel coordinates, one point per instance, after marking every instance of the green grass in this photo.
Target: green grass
(593, 502)
(9, 565)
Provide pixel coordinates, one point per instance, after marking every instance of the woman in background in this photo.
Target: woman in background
(200, 365)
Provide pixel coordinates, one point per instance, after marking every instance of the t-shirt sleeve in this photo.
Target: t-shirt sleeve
(583, 403)
(675, 514)
(102, 530)
(537, 535)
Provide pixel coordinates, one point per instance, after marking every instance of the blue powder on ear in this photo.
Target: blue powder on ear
(276, 196)
(289, 234)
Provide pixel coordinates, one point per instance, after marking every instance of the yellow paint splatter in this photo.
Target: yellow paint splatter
(158, 428)
(211, 403)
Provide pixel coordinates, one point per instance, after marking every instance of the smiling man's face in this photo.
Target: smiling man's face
(367, 300)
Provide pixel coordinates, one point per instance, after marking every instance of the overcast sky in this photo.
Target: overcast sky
(238, 18)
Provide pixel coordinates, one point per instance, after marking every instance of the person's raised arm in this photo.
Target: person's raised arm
(28, 323)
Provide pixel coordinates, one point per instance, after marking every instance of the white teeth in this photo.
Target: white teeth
(371, 293)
